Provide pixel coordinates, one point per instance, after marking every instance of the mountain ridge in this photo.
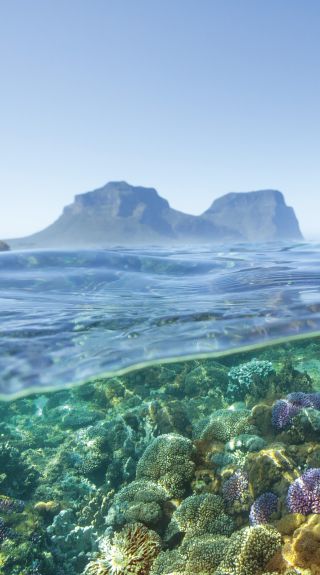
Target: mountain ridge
(119, 213)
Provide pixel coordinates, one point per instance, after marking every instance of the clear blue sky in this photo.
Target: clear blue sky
(193, 97)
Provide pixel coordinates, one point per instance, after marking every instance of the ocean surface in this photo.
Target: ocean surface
(66, 316)
(191, 446)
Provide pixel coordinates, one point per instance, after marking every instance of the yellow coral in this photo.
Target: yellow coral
(269, 467)
(303, 548)
(289, 523)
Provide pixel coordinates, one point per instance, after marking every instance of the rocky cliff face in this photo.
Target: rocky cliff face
(119, 213)
(257, 216)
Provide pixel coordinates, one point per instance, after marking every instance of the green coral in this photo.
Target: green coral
(227, 423)
(250, 378)
(200, 555)
(249, 551)
(168, 462)
(140, 501)
(21, 555)
(204, 554)
(17, 477)
(200, 515)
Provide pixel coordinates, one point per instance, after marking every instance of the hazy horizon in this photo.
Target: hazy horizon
(195, 99)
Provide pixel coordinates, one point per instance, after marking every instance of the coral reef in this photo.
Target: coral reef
(154, 472)
(71, 543)
(302, 549)
(140, 501)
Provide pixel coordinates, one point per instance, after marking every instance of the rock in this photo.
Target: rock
(258, 216)
(4, 247)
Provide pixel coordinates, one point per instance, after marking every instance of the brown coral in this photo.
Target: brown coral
(270, 469)
(131, 552)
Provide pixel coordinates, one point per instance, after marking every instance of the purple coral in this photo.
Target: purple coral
(4, 531)
(8, 505)
(301, 399)
(304, 493)
(235, 487)
(283, 412)
(262, 508)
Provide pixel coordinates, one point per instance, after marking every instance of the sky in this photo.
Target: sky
(196, 98)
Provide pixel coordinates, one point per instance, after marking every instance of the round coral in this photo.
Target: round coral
(302, 550)
(250, 550)
(168, 461)
(200, 515)
(235, 487)
(301, 399)
(131, 552)
(283, 411)
(304, 493)
(262, 508)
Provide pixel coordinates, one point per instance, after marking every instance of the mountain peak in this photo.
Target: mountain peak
(260, 215)
(119, 213)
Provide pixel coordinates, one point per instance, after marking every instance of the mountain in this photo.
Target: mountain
(119, 213)
(258, 216)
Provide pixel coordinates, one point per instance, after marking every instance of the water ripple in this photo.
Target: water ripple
(66, 316)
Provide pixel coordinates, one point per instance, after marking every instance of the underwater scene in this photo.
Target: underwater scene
(160, 413)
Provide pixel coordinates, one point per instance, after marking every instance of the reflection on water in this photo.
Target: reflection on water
(68, 316)
(193, 467)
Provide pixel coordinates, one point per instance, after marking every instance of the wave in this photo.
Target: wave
(67, 316)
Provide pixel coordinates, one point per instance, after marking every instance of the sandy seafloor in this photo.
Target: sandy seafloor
(208, 466)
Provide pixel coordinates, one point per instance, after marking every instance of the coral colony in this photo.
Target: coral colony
(284, 410)
(184, 469)
(304, 493)
(262, 508)
(235, 487)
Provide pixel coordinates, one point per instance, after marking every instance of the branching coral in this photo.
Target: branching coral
(249, 378)
(284, 410)
(227, 423)
(131, 552)
(201, 515)
(249, 551)
(200, 555)
(235, 487)
(262, 508)
(140, 501)
(168, 461)
(304, 493)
